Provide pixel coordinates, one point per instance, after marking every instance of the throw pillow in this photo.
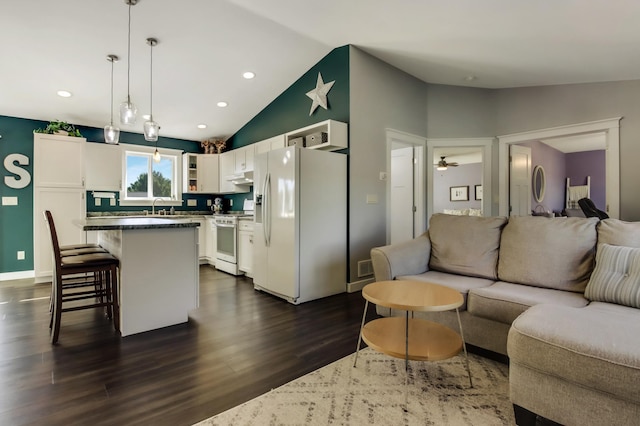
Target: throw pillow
(616, 277)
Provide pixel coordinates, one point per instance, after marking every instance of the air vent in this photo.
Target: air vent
(365, 268)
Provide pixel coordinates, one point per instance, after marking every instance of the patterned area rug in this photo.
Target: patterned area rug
(374, 393)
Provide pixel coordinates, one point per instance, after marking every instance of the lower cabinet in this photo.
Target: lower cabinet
(211, 241)
(245, 247)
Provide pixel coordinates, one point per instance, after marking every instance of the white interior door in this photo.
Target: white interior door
(520, 181)
(402, 203)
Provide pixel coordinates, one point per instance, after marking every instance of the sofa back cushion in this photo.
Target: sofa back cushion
(619, 233)
(465, 245)
(553, 253)
(616, 277)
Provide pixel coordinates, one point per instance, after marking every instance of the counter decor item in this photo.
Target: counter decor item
(213, 146)
(57, 127)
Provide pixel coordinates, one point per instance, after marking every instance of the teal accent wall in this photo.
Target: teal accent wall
(290, 110)
(16, 222)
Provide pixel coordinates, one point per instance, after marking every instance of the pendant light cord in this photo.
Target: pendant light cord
(151, 83)
(111, 60)
(129, 57)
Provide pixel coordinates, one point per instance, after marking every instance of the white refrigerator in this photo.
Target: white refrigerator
(300, 232)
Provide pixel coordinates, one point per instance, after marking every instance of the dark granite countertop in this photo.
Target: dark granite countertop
(137, 222)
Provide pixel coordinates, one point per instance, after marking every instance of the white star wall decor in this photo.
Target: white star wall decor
(319, 94)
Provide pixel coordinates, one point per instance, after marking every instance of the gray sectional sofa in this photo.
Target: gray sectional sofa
(559, 296)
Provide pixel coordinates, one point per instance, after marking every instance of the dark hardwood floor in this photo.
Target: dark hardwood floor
(239, 344)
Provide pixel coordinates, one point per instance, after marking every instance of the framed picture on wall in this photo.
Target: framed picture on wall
(459, 193)
(478, 194)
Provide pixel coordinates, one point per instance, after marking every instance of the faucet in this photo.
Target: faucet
(153, 206)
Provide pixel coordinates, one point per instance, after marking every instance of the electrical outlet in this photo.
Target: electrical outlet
(383, 175)
(97, 201)
(21, 255)
(231, 203)
(192, 203)
(112, 201)
(209, 203)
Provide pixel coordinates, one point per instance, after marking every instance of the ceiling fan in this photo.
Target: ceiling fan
(442, 164)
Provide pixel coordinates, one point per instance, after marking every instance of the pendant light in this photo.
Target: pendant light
(111, 132)
(128, 109)
(151, 128)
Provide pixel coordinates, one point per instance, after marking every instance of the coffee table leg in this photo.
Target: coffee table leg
(406, 362)
(364, 315)
(464, 347)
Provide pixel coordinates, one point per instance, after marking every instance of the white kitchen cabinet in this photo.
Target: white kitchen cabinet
(58, 161)
(104, 167)
(270, 144)
(228, 168)
(245, 246)
(200, 173)
(202, 239)
(59, 179)
(328, 135)
(211, 229)
(244, 159)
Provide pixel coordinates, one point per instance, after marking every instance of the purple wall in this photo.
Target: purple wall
(554, 164)
(589, 163)
(463, 175)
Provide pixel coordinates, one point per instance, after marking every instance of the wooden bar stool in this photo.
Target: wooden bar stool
(78, 278)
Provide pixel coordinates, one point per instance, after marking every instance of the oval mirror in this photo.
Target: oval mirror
(539, 183)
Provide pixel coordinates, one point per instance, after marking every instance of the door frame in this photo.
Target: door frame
(486, 146)
(610, 127)
(419, 144)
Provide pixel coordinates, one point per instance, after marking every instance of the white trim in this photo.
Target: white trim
(486, 144)
(611, 128)
(19, 275)
(177, 178)
(420, 143)
(359, 285)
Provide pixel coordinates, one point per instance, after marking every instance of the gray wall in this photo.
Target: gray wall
(533, 108)
(464, 175)
(381, 97)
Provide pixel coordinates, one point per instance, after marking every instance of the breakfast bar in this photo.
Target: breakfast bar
(159, 278)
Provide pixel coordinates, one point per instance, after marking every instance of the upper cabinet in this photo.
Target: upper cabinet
(54, 154)
(104, 167)
(244, 159)
(270, 144)
(200, 173)
(233, 166)
(328, 135)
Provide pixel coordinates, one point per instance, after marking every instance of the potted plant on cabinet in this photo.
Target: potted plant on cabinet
(57, 127)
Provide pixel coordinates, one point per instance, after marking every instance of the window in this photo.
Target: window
(146, 180)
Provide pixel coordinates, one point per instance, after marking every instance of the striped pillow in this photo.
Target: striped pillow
(616, 277)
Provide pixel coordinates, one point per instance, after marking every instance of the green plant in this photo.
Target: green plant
(57, 127)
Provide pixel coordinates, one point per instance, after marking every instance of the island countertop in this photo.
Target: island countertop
(137, 222)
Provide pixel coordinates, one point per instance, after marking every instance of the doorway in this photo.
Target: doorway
(610, 128)
(405, 186)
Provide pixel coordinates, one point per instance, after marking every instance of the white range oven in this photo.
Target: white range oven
(227, 243)
(227, 239)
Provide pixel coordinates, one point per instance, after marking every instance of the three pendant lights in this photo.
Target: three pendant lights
(128, 110)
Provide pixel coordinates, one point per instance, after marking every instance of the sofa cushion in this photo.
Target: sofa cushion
(465, 245)
(503, 302)
(619, 233)
(461, 283)
(616, 277)
(554, 253)
(592, 347)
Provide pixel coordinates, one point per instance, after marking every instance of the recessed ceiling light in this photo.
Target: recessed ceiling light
(202, 126)
(222, 104)
(248, 75)
(64, 93)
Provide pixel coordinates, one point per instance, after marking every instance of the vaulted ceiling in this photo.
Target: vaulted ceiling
(206, 45)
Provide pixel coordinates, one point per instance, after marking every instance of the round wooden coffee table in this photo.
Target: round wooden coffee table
(412, 338)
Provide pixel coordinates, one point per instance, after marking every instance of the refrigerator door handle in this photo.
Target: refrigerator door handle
(267, 194)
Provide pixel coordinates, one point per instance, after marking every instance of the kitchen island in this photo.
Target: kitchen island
(159, 277)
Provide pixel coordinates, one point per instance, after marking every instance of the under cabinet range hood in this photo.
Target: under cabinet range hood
(244, 178)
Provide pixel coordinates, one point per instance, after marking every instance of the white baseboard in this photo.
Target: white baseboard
(358, 285)
(20, 275)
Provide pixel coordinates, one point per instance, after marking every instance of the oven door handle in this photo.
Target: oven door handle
(224, 225)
